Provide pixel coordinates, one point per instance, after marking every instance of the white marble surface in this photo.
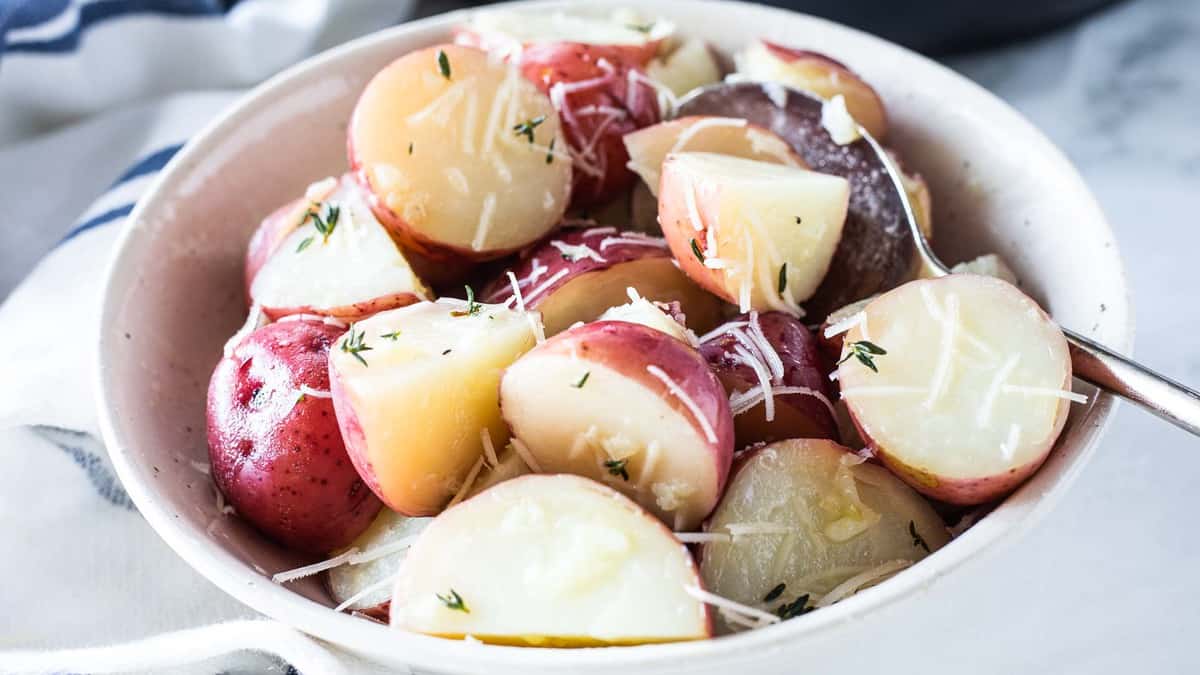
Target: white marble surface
(1107, 583)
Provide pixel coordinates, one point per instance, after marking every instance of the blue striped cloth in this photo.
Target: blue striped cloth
(96, 97)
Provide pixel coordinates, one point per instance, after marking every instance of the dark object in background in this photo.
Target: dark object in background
(942, 27)
(937, 27)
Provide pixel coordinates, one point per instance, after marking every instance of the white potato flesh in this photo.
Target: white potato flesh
(811, 515)
(972, 392)
(752, 218)
(412, 415)
(690, 65)
(550, 561)
(388, 531)
(647, 313)
(501, 28)
(731, 136)
(357, 264)
(446, 158)
(613, 429)
(989, 265)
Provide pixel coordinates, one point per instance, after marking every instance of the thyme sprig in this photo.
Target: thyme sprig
(473, 307)
(793, 609)
(617, 467)
(526, 128)
(355, 346)
(453, 601)
(865, 352)
(782, 278)
(325, 223)
(774, 593)
(443, 62)
(696, 251)
(578, 384)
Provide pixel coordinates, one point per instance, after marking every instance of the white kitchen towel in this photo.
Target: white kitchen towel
(95, 97)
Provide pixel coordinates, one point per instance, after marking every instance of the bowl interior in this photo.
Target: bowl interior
(175, 295)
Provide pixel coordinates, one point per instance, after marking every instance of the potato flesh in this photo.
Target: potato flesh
(644, 312)
(520, 28)
(671, 469)
(720, 135)
(832, 517)
(347, 580)
(764, 215)
(1001, 339)
(471, 182)
(358, 263)
(691, 65)
(550, 561)
(426, 393)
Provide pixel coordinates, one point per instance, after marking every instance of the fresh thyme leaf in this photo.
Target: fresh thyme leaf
(353, 344)
(774, 593)
(325, 224)
(453, 601)
(697, 252)
(393, 336)
(918, 540)
(616, 467)
(473, 307)
(304, 244)
(526, 128)
(793, 609)
(550, 151)
(641, 27)
(865, 352)
(582, 381)
(410, 147)
(443, 64)
(782, 278)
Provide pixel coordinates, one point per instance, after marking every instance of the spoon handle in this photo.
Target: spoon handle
(1112, 372)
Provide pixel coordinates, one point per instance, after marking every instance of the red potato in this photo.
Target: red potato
(415, 387)
(629, 406)
(273, 440)
(772, 352)
(333, 259)
(580, 273)
(756, 234)
(550, 561)
(831, 331)
(814, 518)
(624, 39)
(721, 135)
(814, 72)
(665, 317)
(960, 385)
(453, 148)
(599, 100)
(876, 250)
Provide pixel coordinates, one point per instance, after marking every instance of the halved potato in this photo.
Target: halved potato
(337, 260)
(806, 518)
(960, 384)
(580, 273)
(629, 39)
(413, 389)
(667, 318)
(368, 580)
(721, 135)
(629, 406)
(816, 73)
(755, 234)
(454, 149)
(552, 561)
(690, 65)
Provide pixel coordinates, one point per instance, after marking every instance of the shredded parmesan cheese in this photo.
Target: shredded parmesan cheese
(577, 251)
(306, 390)
(941, 372)
(702, 537)
(548, 283)
(764, 382)
(468, 483)
(309, 570)
(984, 415)
(1009, 447)
(845, 324)
(525, 455)
(704, 123)
(1045, 391)
(254, 320)
(534, 319)
(383, 583)
(859, 581)
(489, 449)
(752, 529)
(728, 605)
(486, 213)
(687, 401)
(447, 100)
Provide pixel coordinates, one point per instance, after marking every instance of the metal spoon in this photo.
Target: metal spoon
(1091, 362)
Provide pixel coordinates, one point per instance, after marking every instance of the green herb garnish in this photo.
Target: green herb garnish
(641, 27)
(616, 467)
(354, 345)
(393, 336)
(582, 381)
(526, 128)
(473, 307)
(304, 244)
(697, 252)
(918, 540)
(774, 593)
(550, 151)
(443, 64)
(865, 352)
(410, 147)
(325, 224)
(453, 601)
(793, 609)
(782, 278)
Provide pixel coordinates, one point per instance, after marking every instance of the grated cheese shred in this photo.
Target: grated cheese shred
(687, 401)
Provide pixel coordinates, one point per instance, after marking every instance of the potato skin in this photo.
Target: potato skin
(269, 235)
(281, 461)
(546, 65)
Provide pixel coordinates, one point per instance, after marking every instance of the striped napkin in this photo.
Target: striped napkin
(96, 96)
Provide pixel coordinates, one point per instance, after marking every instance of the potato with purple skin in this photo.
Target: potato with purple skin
(792, 369)
(274, 444)
(579, 274)
(960, 384)
(629, 406)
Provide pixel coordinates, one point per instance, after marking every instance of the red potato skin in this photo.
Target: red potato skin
(878, 127)
(803, 366)
(269, 236)
(679, 231)
(348, 313)
(355, 440)
(281, 463)
(546, 65)
(790, 54)
(628, 347)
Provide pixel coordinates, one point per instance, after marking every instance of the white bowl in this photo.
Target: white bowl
(174, 294)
